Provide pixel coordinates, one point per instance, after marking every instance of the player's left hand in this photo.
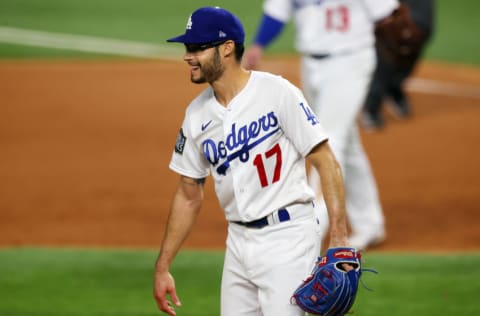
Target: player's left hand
(347, 267)
(332, 286)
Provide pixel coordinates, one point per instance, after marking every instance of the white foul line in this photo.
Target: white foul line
(443, 88)
(87, 43)
(137, 49)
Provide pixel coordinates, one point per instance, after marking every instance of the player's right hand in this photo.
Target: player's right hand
(164, 285)
(252, 56)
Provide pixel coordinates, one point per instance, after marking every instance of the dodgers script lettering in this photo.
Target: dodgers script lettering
(239, 141)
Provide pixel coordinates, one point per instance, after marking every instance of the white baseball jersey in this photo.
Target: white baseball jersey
(331, 26)
(254, 148)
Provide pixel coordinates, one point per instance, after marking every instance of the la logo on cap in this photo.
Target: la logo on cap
(211, 24)
(189, 23)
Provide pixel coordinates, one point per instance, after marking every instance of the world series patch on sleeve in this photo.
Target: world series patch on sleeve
(330, 290)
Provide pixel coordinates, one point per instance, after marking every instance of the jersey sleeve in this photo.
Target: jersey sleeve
(298, 121)
(278, 9)
(187, 158)
(380, 9)
(268, 30)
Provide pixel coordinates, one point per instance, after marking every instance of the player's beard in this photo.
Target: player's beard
(211, 70)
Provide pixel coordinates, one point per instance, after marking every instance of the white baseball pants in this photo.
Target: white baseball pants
(336, 87)
(263, 267)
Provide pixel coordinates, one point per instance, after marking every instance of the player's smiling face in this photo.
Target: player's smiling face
(205, 62)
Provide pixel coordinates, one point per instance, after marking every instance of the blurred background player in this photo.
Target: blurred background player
(336, 41)
(393, 69)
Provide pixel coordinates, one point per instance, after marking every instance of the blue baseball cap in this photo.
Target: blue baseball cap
(211, 24)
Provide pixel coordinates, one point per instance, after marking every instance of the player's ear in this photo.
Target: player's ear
(228, 48)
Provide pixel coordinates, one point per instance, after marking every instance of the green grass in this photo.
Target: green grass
(153, 21)
(149, 21)
(455, 38)
(100, 282)
(421, 285)
(92, 282)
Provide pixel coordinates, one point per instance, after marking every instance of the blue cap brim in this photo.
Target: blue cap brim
(177, 39)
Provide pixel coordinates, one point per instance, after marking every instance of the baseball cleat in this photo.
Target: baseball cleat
(399, 107)
(371, 122)
(363, 241)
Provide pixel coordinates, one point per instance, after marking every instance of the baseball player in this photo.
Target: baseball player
(336, 42)
(251, 131)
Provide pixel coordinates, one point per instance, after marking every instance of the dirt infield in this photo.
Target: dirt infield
(85, 147)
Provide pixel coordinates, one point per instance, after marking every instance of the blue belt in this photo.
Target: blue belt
(283, 216)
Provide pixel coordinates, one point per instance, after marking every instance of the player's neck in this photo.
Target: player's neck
(230, 84)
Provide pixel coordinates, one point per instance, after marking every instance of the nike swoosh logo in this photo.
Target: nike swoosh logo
(205, 125)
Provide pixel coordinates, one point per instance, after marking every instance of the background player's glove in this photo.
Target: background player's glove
(398, 37)
(330, 290)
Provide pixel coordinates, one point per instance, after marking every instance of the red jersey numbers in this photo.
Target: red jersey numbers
(337, 19)
(273, 155)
